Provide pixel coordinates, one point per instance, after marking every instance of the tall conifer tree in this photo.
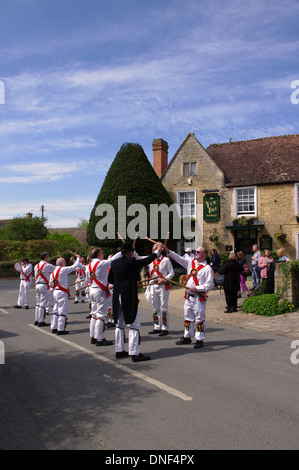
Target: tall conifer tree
(130, 175)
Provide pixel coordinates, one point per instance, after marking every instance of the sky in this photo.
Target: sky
(79, 78)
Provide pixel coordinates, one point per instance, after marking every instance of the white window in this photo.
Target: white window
(187, 203)
(245, 201)
(296, 190)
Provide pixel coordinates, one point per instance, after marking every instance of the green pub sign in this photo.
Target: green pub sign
(211, 207)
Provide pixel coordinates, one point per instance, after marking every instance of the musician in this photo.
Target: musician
(59, 283)
(199, 280)
(80, 279)
(42, 272)
(124, 275)
(25, 283)
(97, 278)
(157, 293)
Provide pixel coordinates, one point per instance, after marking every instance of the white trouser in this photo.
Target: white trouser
(58, 320)
(80, 291)
(194, 317)
(158, 297)
(99, 310)
(134, 337)
(23, 298)
(42, 301)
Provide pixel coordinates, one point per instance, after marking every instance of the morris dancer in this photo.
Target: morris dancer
(42, 273)
(80, 276)
(157, 293)
(25, 283)
(199, 279)
(124, 275)
(97, 278)
(59, 282)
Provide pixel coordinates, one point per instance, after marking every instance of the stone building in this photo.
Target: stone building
(241, 192)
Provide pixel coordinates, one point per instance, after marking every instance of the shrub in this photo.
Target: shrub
(268, 305)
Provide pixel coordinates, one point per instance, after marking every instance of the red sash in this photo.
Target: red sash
(92, 275)
(193, 273)
(56, 281)
(79, 273)
(155, 270)
(27, 277)
(39, 273)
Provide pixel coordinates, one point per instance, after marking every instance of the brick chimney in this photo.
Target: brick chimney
(160, 156)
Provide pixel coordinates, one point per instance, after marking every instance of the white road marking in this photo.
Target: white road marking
(4, 311)
(138, 375)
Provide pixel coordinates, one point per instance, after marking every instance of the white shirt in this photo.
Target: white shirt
(63, 274)
(101, 272)
(47, 269)
(165, 268)
(26, 269)
(204, 275)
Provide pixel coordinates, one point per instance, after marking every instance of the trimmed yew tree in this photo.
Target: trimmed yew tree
(130, 180)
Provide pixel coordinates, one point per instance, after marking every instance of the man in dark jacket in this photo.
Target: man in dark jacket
(124, 275)
(231, 270)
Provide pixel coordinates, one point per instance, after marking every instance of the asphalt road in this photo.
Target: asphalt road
(62, 393)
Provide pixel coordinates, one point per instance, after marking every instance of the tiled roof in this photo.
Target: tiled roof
(78, 232)
(261, 161)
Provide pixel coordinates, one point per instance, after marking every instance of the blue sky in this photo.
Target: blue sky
(81, 77)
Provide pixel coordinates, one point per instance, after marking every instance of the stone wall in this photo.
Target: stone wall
(292, 293)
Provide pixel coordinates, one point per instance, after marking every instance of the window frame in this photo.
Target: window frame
(178, 198)
(245, 213)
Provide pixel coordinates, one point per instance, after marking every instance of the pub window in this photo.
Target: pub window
(186, 201)
(245, 201)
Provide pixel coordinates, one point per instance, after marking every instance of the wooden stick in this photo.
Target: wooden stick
(166, 238)
(75, 254)
(73, 283)
(201, 294)
(153, 241)
(135, 239)
(120, 237)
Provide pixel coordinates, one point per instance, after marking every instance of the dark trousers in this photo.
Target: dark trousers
(231, 297)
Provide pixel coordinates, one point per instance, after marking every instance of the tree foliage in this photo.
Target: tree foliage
(24, 229)
(130, 175)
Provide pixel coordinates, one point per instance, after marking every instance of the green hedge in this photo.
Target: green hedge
(14, 250)
(267, 305)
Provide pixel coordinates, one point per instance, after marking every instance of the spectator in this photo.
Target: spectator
(281, 255)
(231, 270)
(242, 260)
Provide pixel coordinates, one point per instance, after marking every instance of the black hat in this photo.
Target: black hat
(126, 246)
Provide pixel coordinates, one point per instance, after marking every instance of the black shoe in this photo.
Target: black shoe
(154, 332)
(54, 330)
(88, 316)
(163, 333)
(121, 354)
(26, 306)
(35, 323)
(110, 325)
(76, 301)
(183, 340)
(63, 332)
(228, 310)
(198, 344)
(93, 340)
(140, 358)
(82, 301)
(17, 306)
(43, 324)
(104, 342)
